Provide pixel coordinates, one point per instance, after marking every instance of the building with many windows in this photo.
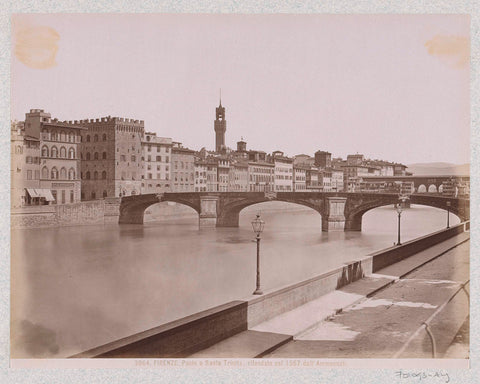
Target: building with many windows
(156, 157)
(50, 169)
(283, 172)
(261, 176)
(182, 168)
(111, 153)
(300, 178)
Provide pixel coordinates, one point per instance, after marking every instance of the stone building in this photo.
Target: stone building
(156, 157)
(111, 153)
(261, 176)
(239, 177)
(182, 168)
(300, 178)
(200, 175)
(283, 167)
(51, 167)
(223, 177)
(323, 159)
(212, 175)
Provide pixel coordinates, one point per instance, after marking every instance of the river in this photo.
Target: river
(75, 288)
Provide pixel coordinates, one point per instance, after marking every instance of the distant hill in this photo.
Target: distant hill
(438, 169)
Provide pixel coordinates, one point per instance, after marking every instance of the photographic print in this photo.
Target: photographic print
(192, 187)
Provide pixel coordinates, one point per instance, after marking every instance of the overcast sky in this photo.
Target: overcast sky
(390, 87)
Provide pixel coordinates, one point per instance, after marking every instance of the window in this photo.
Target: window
(166, 158)
(54, 173)
(104, 193)
(29, 175)
(87, 175)
(88, 155)
(63, 173)
(95, 156)
(63, 196)
(71, 196)
(88, 138)
(63, 152)
(104, 175)
(71, 174)
(71, 153)
(54, 194)
(123, 158)
(93, 195)
(54, 152)
(134, 158)
(149, 158)
(104, 137)
(29, 159)
(149, 148)
(159, 158)
(44, 173)
(104, 155)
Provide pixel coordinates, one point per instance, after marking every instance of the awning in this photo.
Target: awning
(47, 194)
(33, 192)
(38, 192)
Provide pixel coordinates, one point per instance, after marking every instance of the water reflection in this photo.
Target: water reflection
(74, 288)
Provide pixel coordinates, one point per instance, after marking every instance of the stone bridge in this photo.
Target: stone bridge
(339, 211)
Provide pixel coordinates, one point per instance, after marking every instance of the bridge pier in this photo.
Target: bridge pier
(333, 218)
(208, 212)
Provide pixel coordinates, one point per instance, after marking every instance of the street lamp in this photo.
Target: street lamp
(448, 214)
(399, 211)
(257, 225)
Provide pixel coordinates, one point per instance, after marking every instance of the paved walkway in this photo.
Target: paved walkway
(373, 317)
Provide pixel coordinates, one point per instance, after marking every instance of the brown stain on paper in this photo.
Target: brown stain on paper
(453, 50)
(36, 46)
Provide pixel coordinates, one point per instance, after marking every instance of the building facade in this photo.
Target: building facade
(261, 176)
(111, 154)
(156, 156)
(50, 173)
(183, 168)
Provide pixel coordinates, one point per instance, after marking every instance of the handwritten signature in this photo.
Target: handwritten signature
(420, 375)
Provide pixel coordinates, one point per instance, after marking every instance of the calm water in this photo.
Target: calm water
(74, 288)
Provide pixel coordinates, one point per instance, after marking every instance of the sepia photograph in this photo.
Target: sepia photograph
(244, 190)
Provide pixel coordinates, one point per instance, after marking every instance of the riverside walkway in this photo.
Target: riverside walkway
(380, 316)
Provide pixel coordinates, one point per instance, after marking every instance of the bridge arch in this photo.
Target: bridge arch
(229, 213)
(132, 208)
(355, 212)
(422, 188)
(432, 188)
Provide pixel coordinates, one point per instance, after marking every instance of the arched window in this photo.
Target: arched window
(71, 138)
(63, 173)
(54, 173)
(88, 155)
(104, 155)
(71, 153)
(54, 136)
(95, 175)
(63, 136)
(104, 137)
(88, 138)
(95, 156)
(87, 175)
(18, 149)
(44, 173)
(71, 174)
(95, 138)
(54, 152)
(104, 175)
(104, 193)
(63, 152)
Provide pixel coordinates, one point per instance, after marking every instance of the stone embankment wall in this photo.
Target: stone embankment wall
(184, 336)
(86, 212)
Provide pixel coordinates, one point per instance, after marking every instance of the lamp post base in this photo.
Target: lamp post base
(258, 291)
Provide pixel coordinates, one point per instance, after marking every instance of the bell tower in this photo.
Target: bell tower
(220, 126)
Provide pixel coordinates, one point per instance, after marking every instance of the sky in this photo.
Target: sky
(392, 87)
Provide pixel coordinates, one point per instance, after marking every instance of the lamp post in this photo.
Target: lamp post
(448, 214)
(399, 211)
(257, 225)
